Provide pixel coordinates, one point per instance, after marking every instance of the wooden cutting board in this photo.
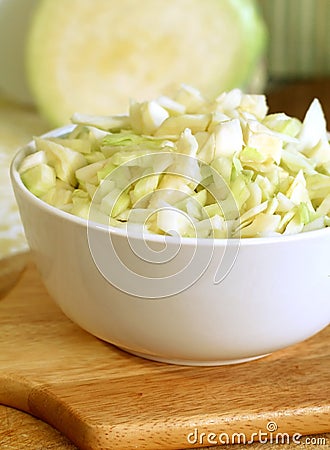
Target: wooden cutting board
(103, 398)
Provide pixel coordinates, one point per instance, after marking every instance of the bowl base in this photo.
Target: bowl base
(184, 362)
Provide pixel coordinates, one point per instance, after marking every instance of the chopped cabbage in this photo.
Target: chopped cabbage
(191, 166)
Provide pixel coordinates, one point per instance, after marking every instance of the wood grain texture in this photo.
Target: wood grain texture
(19, 430)
(11, 268)
(103, 398)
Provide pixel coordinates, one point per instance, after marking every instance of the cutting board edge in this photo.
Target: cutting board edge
(41, 402)
(15, 391)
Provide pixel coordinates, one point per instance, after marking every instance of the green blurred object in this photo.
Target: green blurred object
(299, 44)
(93, 56)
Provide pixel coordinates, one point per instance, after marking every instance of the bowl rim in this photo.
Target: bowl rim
(243, 242)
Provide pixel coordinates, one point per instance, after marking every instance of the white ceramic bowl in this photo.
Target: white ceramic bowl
(201, 302)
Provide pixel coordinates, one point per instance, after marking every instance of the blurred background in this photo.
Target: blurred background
(287, 41)
(279, 47)
(299, 39)
(298, 54)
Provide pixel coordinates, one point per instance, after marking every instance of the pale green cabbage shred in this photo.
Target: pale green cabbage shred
(128, 167)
